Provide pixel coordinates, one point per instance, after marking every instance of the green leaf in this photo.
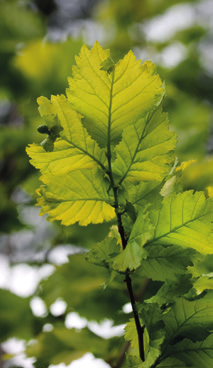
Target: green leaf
(202, 265)
(145, 150)
(111, 102)
(79, 196)
(203, 283)
(173, 288)
(195, 355)
(131, 333)
(152, 318)
(129, 258)
(75, 150)
(108, 65)
(166, 263)
(189, 319)
(142, 229)
(184, 220)
(109, 98)
(144, 193)
(172, 363)
(101, 253)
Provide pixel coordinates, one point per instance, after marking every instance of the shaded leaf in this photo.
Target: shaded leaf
(129, 258)
(166, 263)
(189, 319)
(172, 363)
(196, 355)
(142, 230)
(152, 318)
(102, 252)
(173, 288)
(144, 193)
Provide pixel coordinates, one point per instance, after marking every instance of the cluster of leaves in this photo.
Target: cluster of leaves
(109, 156)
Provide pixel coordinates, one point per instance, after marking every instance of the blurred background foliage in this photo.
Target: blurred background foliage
(38, 43)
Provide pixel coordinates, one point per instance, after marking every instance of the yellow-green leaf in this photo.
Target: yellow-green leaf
(112, 101)
(185, 220)
(74, 150)
(145, 150)
(80, 196)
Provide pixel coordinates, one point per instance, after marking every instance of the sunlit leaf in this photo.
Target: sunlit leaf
(203, 283)
(111, 102)
(184, 220)
(75, 150)
(79, 196)
(145, 150)
(131, 334)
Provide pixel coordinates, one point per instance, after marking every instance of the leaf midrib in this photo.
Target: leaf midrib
(175, 229)
(86, 153)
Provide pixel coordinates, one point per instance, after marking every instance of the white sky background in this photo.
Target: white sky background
(14, 279)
